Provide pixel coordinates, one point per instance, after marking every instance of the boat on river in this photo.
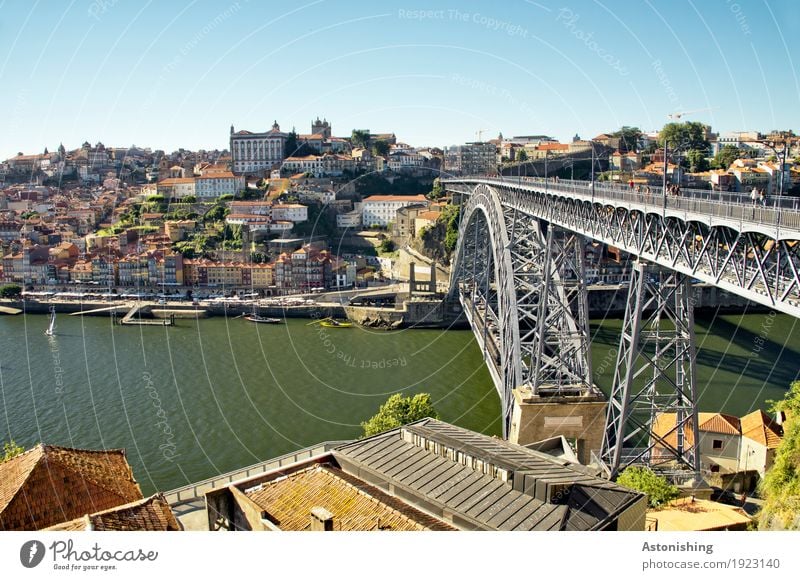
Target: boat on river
(262, 319)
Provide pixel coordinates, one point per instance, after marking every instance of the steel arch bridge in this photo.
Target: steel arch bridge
(518, 272)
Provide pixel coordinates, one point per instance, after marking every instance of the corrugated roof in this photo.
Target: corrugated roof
(456, 469)
(50, 484)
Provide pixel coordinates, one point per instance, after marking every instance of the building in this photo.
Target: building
(214, 184)
(304, 269)
(428, 475)
(151, 514)
(404, 224)
(381, 210)
(47, 485)
(177, 188)
(255, 153)
(290, 212)
(471, 159)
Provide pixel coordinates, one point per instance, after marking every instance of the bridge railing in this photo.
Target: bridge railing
(779, 211)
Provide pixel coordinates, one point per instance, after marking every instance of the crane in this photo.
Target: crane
(679, 114)
(479, 134)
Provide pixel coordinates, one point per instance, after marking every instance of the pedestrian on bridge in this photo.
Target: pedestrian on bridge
(754, 196)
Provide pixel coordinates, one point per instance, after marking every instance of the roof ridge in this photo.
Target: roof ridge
(38, 447)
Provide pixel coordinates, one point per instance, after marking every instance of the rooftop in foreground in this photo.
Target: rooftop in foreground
(427, 475)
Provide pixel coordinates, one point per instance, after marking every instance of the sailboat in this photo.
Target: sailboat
(51, 328)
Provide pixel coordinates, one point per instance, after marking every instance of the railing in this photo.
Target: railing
(776, 211)
(196, 490)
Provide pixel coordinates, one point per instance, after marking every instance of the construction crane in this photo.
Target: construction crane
(680, 114)
(479, 133)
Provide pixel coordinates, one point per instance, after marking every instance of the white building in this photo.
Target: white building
(177, 187)
(404, 159)
(257, 152)
(212, 185)
(290, 212)
(349, 220)
(381, 210)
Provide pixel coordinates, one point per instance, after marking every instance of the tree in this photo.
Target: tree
(684, 136)
(780, 488)
(697, 160)
(386, 246)
(399, 410)
(659, 491)
(189, 199)
(522, 155)
(10, 291)
(10, 450)
(380, 148)
(291, 143)
(628, 138)
(359, 138)
(437, 192)
(725, 156)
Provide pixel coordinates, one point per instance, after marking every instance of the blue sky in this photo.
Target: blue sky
(177, 74)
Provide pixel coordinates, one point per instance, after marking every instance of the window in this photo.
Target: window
(716, 444)
(715, 469)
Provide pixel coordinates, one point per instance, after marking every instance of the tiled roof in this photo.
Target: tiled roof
(761, 428)
(49, 484)
(354, 505)
(149, 514)
(408, 198)
(719, 423)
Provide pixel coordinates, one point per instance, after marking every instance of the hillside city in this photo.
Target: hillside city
(280, 213)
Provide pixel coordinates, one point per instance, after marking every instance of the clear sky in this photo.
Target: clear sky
(178, 74)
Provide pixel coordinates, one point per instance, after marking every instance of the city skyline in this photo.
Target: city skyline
(434, 75)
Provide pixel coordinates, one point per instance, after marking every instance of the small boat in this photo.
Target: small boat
(331, 323)
(51, 328)
(263, 319)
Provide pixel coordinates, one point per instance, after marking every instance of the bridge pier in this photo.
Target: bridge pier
(580, 418)
(652, 411)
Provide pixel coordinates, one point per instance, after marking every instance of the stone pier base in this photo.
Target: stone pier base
(581, 419)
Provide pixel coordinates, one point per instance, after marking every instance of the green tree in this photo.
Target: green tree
(189, 199)
(697, 160)
(659, 491)
(684, 136)
(628, 138)
(10, 291)
(386, 246)
(380, 148)
(399, 410)
(10, 449)
(522, 155)
(291, 143)
(780, 488)
(359, 138)
(216, 213)
(437, 192)
(725, 156)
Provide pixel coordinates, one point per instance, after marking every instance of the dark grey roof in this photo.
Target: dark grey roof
(490, 484)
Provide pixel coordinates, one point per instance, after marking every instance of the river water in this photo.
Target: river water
(210, 396)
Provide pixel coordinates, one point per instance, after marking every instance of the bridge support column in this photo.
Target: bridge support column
(652, 411)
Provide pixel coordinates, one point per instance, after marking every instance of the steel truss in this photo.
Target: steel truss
(522, 285)
(652, 411)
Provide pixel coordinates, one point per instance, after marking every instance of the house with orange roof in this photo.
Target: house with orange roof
(761, 437)
(150, 514)
(48, 485)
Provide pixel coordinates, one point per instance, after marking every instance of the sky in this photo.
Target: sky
(177, 74)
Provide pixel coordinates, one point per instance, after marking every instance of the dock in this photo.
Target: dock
(129, 319)
(9, 310)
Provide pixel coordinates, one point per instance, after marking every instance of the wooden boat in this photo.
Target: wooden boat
(331, 323)
(263, 319)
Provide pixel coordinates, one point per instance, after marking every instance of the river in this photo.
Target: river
(214, 395)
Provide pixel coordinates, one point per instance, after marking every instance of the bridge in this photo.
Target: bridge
(519, 275)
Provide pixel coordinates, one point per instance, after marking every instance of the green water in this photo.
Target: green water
(214, 395)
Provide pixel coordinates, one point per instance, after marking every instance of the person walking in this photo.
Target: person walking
(754, 196)
(763, 198)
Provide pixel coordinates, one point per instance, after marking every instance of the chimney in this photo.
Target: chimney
(321, 520)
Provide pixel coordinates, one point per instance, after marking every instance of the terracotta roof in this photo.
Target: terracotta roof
(409, 198)
(355, 506)
(49, 484)
(761, 428)
(664, 426)
(685, 514)
(149, 514)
